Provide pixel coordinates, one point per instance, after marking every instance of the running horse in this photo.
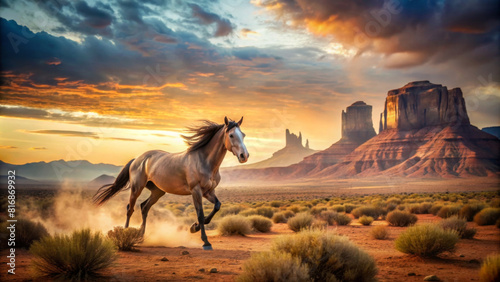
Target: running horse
(194, 172)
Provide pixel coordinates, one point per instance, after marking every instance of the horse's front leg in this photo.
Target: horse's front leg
(212, 199)
(198, 205)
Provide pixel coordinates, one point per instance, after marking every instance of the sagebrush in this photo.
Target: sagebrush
(126, 239)
(490, 269)
(401, 219)
(83, 255)
(274, 266)
(234, 225)
(426, 240)
(300, 221)
(345, 261)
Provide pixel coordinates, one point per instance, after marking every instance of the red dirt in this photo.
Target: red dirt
(230, 253)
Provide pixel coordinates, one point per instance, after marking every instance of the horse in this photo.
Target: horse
(193, 172)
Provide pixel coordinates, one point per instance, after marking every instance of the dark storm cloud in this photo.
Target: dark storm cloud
(94, 17)
(90, 61)
(79, 16)
(417, 31)
(224, 26)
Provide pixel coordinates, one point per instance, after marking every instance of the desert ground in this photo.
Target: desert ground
(186, 261)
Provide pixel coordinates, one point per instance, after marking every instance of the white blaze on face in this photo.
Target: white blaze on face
(238, 147)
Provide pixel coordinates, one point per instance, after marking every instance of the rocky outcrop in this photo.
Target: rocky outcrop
(419, 104)
(357, 124)
(357, 128)
(425, 132)
(292, 153)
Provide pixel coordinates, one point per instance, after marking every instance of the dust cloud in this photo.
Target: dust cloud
(72, 209)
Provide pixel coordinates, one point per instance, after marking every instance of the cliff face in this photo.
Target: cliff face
(419, 104)
(425, 132)
(357, 128)
(357, 124)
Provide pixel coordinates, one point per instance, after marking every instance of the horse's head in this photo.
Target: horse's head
(233, 140)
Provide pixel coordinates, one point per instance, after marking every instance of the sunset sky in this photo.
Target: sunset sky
(107, 80)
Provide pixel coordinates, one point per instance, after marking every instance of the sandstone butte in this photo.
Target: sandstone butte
(424, 132)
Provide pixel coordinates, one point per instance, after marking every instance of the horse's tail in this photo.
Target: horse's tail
(109, 190)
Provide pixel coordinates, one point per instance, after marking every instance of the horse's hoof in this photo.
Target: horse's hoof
(207, 248)
(194, 228)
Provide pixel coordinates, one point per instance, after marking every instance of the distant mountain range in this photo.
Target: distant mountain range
(292, 153)
(59, 171)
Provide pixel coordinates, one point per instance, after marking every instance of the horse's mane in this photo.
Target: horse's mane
(201, 135)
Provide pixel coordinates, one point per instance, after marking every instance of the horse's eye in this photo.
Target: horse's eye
(231, 136)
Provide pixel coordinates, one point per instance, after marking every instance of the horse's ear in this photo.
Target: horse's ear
(240, 122)
(226, 121)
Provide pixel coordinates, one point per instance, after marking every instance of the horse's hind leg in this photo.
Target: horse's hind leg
(137, 182)
(156, 194)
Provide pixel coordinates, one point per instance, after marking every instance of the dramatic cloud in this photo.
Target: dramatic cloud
(224, 26)
(409, 33)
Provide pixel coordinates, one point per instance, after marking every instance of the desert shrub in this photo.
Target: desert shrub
(426, 240)
(276, 204)
(459, 225)
(349, 208)
(279, 217)
(265, 211)
(368, 211)
(274, 266)
(294, 208)
(470, 210)
(401, 207)
(328, 216)
(289, 213)
(230, 210)
(490, 269)
(393, 200)
(338, 208)
(27, 232)
(495, 203)
(300, 221)
(126, 239)
(448, 211)
(401, 219)
(422, 208)
(390, 206)
(317, 210)
(234, 225)
(365, 220)
(248, 212)
(379, 232)
(342, 219)
(345, 261)
(435, 209)
(260, 223)
(487, 216)
(79, 256)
